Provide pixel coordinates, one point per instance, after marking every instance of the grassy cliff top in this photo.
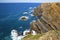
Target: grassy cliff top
(51, 35)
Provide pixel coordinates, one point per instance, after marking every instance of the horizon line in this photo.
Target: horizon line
(29, 1)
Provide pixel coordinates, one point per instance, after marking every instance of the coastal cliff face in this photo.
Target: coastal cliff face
(49, 14)
(47, 23)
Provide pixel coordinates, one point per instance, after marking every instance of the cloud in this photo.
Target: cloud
(27, 1)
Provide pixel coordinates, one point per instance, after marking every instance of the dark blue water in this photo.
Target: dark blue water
(9, 17)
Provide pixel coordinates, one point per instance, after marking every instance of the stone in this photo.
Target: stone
(49, 18)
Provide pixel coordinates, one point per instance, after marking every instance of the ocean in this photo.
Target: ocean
(10, 14)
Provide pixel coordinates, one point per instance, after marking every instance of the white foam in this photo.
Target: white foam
(34, 7)
(31, 14)
(33, 32)
(26, 31)
(14, 35)
(20, 37)
(34, 21)
(30, 8)
(25, 12)
(26, 18)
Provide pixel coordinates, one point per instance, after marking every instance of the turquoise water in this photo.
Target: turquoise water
(9, 18)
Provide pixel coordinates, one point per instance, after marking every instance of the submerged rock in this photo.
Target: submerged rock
(23, 18)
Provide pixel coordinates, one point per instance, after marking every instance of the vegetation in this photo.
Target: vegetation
(32, 37)
(51, 35)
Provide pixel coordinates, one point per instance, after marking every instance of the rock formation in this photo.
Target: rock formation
(49, 18)
(47, 23)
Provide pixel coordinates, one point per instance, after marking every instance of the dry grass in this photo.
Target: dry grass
(32, 37)
(51, 35)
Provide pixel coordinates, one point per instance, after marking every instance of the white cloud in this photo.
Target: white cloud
(27, 1)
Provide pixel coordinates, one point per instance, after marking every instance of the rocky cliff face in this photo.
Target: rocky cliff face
(47, 23)
(49, 18)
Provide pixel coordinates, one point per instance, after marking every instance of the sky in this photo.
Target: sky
(27, 1)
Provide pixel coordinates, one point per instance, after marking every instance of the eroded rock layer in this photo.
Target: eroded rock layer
(49, 14)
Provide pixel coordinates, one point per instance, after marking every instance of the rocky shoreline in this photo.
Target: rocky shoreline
(50, 17)
(49, 14)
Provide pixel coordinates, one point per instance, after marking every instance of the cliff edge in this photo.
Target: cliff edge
(48, 18)
(47, 23)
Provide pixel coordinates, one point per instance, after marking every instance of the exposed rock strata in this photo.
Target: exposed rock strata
(49, 20)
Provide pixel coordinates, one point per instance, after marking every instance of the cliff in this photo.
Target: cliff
(49, 14)
(47, 23)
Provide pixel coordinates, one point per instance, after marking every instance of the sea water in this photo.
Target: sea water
(10, 14)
